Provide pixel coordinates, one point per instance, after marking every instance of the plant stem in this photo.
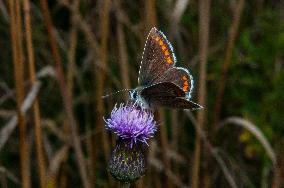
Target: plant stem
(17, 52)
(150, 14)
(125, 185)
(204, 19)
(164, 144)
(35, 108)
(100, 81)
(232, 36)
(65, 96)
(123, 56)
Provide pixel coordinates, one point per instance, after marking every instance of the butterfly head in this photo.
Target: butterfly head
(133, 94)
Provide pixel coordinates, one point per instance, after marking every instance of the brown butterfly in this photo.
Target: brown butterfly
(160, 82)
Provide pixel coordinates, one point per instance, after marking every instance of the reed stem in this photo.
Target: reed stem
(233, 31)
(100, 80)
(125, 185)
(35, 107)
(67, 103)
(17, 53)
(204, 17)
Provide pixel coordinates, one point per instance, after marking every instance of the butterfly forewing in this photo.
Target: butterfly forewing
(157, 58)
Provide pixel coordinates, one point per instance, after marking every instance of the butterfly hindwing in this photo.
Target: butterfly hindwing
(157, 58)
(179, 76)
(167, 94)
(180, 103)
(163, 89)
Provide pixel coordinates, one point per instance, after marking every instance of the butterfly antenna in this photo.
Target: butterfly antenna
(108, 95)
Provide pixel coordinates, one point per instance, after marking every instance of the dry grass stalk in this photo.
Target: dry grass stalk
(225, 66)
(72, 48)
(150, 14)
(279, 167)
(16, 43)
(92, 41)
(175, 140)
(35, 108)
(233, 31)
(123, 57)
(204, 17)
(76, 22)
(177, 12)
(159, 167)
(3, 180)
(67, 102)
(278, 170)
(56, 162)
(8, 129)
(254, 130)
(163, 136)
(9, 175)
(100, 78)
(63, 181)
(90, 38)
(71, 71)
(175, 129)
(212, 151)
(82, 25)
(91, 154)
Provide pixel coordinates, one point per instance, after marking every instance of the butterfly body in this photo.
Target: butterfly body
(135, 95)
(160, 82)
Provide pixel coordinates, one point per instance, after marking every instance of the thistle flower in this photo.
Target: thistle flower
(133, 126)
(127, 164)
(129, 122)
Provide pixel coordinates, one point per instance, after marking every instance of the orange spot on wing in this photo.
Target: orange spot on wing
(185, 83)
(185, 88)
(184, 78)
(169, 61)
(166, 53)
(161, 43)
(163, 47)
(157, 39)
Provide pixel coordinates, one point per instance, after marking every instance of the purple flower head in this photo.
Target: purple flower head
(129, 122)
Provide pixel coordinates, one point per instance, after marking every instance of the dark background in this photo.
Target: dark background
(233, 48)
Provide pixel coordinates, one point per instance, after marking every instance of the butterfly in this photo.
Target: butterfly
(160, 82)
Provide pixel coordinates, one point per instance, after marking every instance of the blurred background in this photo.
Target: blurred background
(58, 58)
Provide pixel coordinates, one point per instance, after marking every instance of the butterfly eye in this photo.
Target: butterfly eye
(133, 94)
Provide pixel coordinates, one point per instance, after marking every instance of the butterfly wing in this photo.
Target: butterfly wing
(164, 84)
(157, 58)
(167, 94)
(180, 103)
(180, 77)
